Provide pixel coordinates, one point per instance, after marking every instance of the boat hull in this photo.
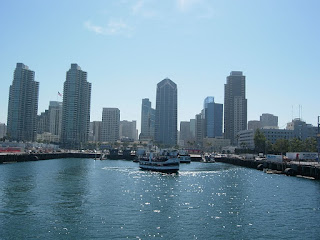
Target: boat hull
(171, 166)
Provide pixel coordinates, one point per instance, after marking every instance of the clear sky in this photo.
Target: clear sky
(128, 46)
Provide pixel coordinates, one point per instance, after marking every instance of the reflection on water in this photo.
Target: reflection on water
(85, 199)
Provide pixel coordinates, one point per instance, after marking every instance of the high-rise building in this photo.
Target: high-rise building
(147, 120)
(128, 130)
(235, 106)
(166, 113)
(96, 129)
(43, 122)
(110, 125)
(23, 105)
(3, 130)
(268, 120)
(55, 117)
(75, 108)
(213, 118)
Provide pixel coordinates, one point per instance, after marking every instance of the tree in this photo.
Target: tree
(281, 146)
(311, 144)
(259, 141)
(296, 145)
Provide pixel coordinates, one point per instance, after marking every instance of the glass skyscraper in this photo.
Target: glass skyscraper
(166, 113)
(75, 108)
(23, 105)
(212, 118)
(147, 120)
(235, 106)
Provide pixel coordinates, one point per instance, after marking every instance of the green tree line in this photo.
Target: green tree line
(281, 146)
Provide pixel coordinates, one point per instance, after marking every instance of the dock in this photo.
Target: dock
(310, 170)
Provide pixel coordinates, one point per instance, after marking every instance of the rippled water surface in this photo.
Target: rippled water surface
(87, 199)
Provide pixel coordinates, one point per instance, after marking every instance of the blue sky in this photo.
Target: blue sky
(128, 46)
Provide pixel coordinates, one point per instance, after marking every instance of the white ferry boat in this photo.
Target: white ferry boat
(165, 162)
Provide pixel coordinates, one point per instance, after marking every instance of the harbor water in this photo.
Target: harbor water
(109, 199)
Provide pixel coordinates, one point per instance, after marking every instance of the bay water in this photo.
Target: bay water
(114, 199)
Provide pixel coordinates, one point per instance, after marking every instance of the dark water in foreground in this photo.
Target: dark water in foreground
(87, 199)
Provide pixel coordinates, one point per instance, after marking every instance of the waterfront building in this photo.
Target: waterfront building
(193, 128)
(23, 105)
(95, 131)
(185, 135)
(301, 129)
(246, 137)
(3, 130)
(200, 129)
(254, 125)
(43, 122)
(166, 113)
(215, 144)
(128, 130)
(147, 120)
(268, 120)
(75, 108)
(110, 125)
(213, 118)
(235, 106)
(55, 118)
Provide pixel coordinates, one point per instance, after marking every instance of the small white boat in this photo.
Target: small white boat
(165, 162)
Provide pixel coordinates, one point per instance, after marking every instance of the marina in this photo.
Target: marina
(76, 198)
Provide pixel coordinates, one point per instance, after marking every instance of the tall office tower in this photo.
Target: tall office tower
(268, 120)
(235, 106)
(3, 130)
(96, 131)
(200, 128)
(43, 122)
(55, 117)
(147, 120)
(23, 105)
(128, 129)
(193, 128)
(185, 133)
(75, 108)
(166, 113)
(218, 119)
(208, 107)
(213, 118)
(110, 125)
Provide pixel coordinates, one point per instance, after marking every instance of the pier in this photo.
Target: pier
(309, 170)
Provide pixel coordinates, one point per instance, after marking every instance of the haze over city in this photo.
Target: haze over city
(127, 47)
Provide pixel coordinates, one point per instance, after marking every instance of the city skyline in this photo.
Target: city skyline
(131, 45)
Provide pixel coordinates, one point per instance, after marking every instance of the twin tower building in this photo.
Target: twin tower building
(160, 124)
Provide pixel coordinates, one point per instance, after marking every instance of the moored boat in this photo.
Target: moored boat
(184, 157)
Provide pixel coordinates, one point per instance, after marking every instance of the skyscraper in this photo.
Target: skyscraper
(147, 120)
(166, 113)
(212, 118)
(75, 108)
(110, 125)
(235, 106)
(23, 105)
(55, 117)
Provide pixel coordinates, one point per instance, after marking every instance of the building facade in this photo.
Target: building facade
(166, 113)
(128, 130)
(268, 120)
(3, 130)
(110, 125)
(147, 120)
(235, 106)
(55, 118)
(75, 108)
(23, 105)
